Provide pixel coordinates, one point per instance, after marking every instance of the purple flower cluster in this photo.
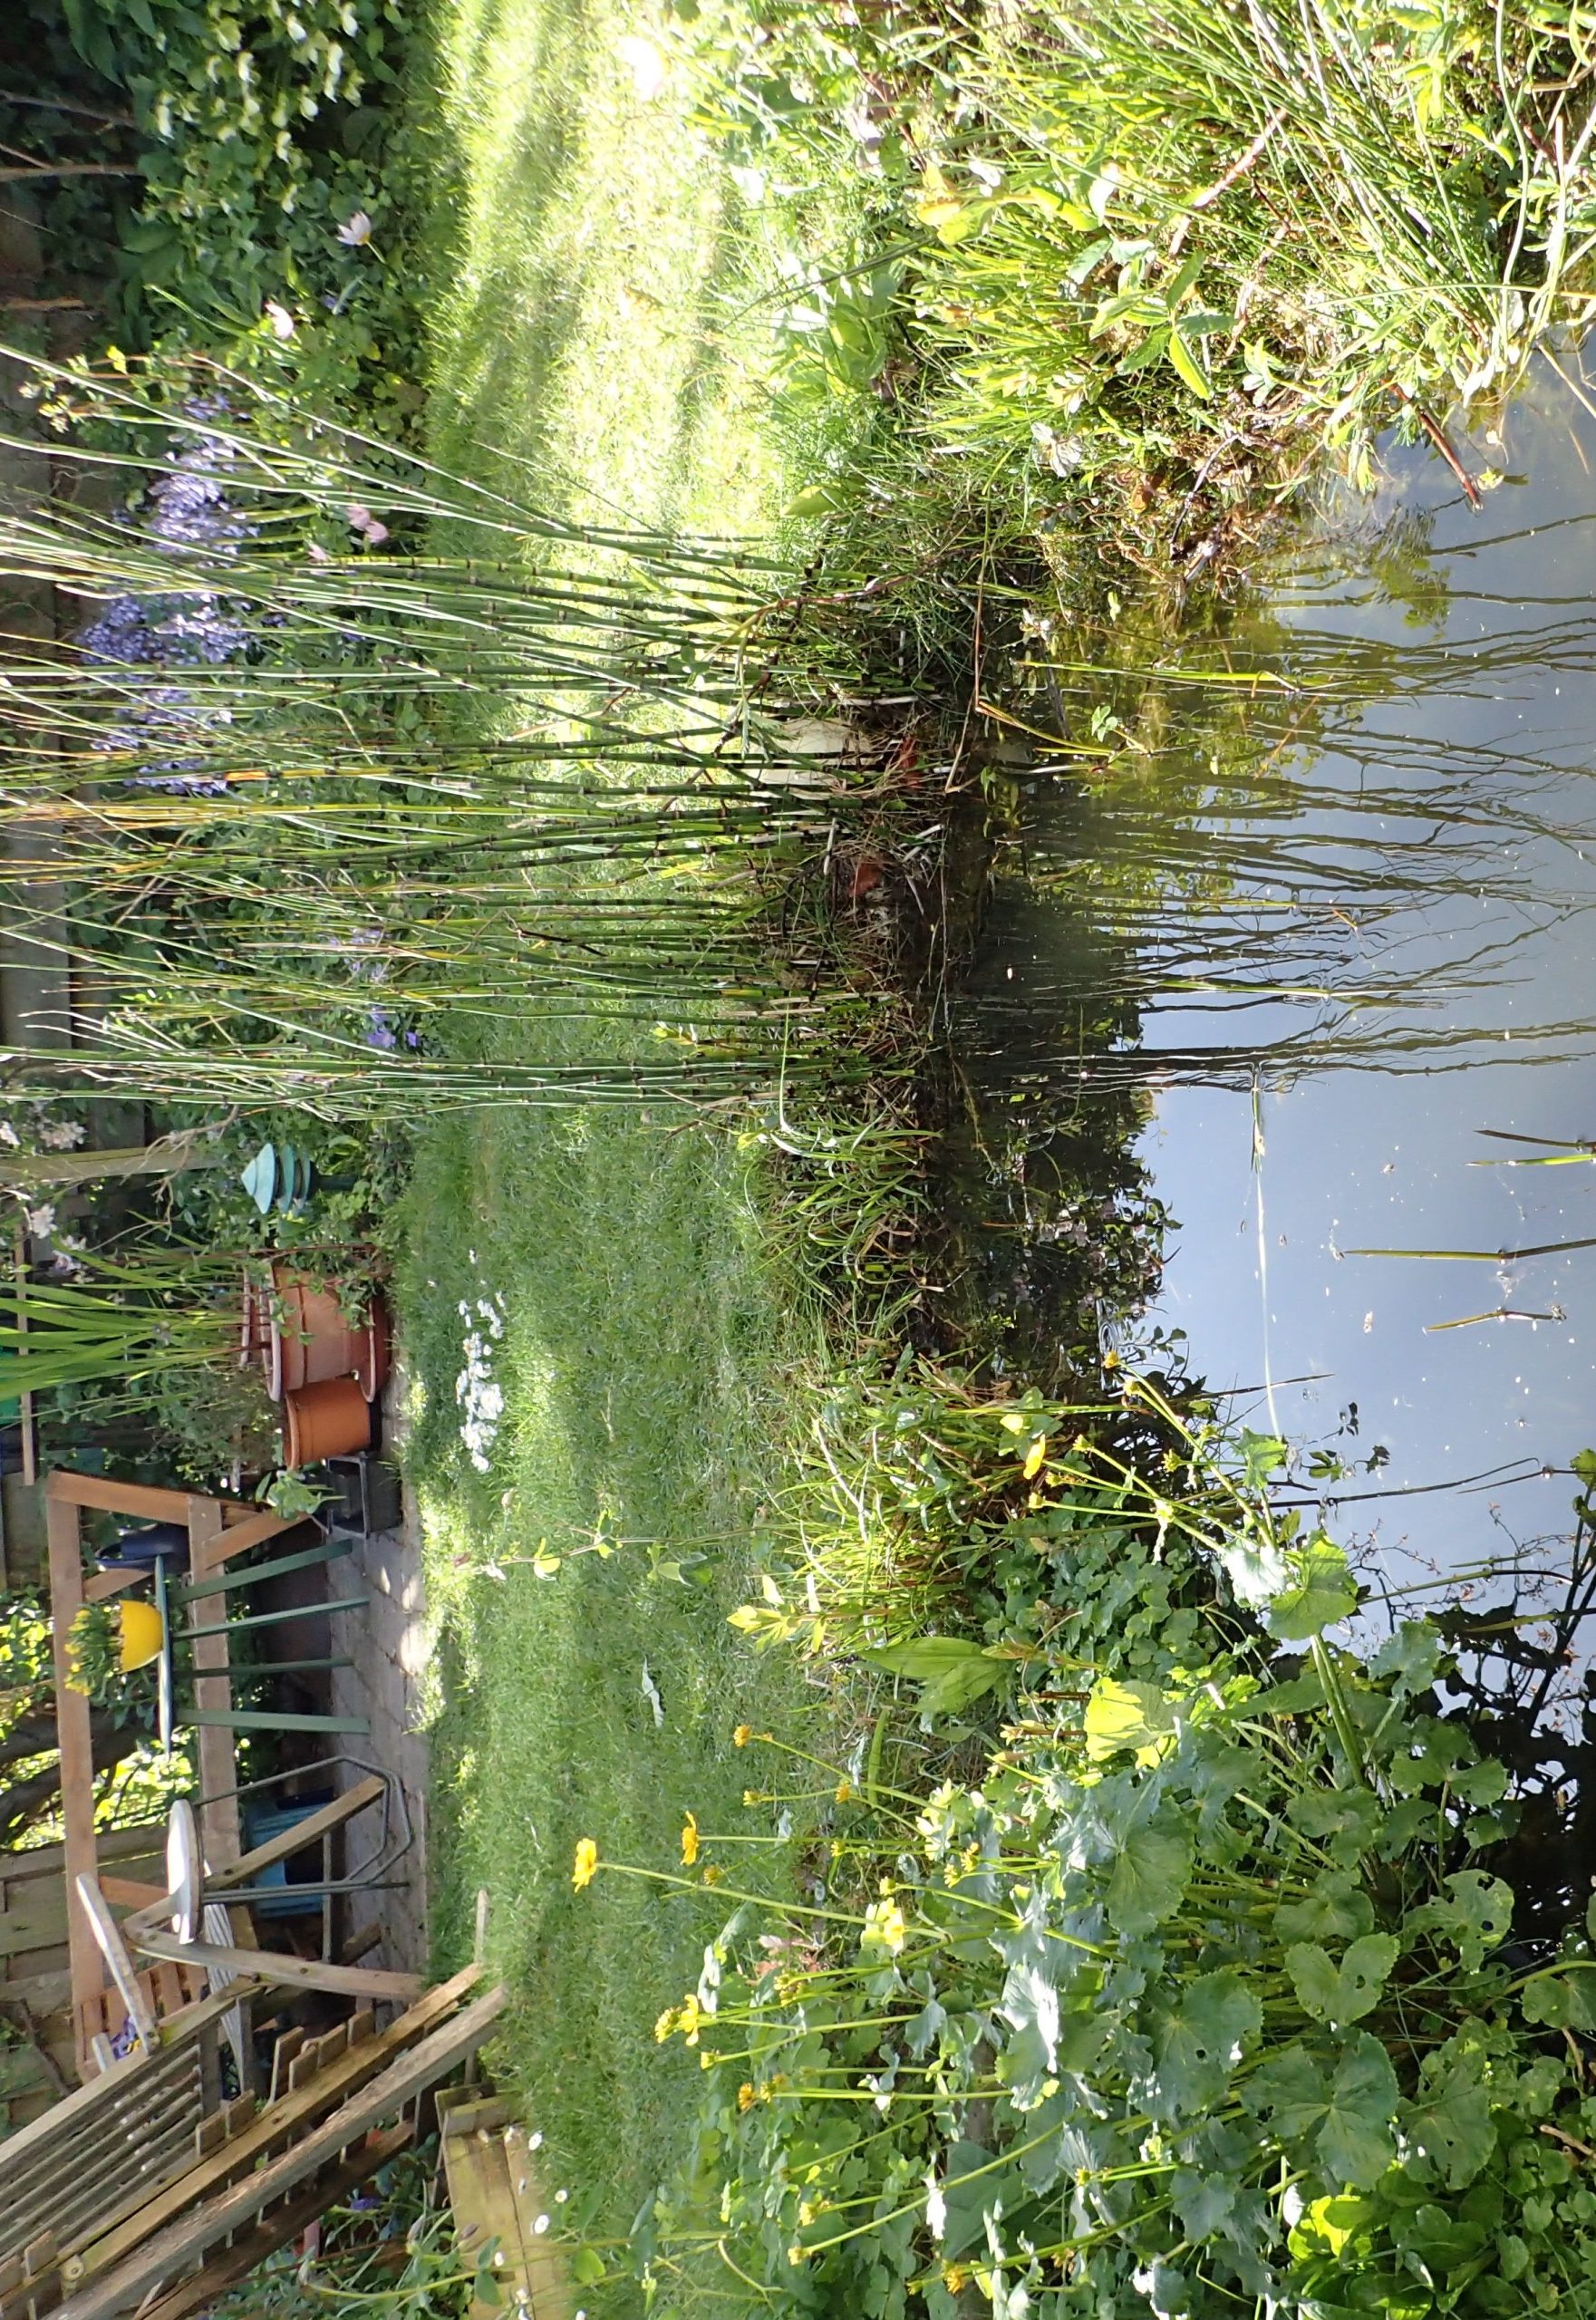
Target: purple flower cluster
(188, 509)
(382, 1032)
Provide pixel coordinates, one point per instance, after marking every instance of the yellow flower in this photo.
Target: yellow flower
(845, 1789)
(712, 1875)
(586, 1863)
(795, 2255)
(665, 2025)
(691, 2019)
(755, 1796)
(746, 2096)
(1035, 1457)
(742, 1735)
(884, 1928)
(688, 1841)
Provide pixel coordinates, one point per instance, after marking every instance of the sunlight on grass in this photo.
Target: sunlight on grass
(606, 328)
(598, 246)
(642, 1356)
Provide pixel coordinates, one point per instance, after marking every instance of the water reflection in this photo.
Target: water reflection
(1332, 869)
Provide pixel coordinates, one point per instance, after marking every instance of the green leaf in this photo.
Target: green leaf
(1201, 2040)
(1125, 1716)
(1355, 2141)
(1475, 1915)
(1349, 2118)
(1262, 1455)
(1320, 1591)
(1341, 1994)
(1347, 1819)
(1450, 2121)
(1184, 360)
(954, 1673)
(1409, 1659)
(1336, 1909)
(1148, 1881)
(587, 2267)
(1029, 2005)
(1560, 2002)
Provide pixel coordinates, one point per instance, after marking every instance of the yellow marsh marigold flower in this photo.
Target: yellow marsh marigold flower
(688, 1841)
(586, 1863)
(883, 1928)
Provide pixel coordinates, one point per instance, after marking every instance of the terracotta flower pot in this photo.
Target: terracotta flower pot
(375, 1357)
(326, 1420)
(312, 1342)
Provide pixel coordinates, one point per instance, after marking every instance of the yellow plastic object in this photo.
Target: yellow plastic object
(140, 1634)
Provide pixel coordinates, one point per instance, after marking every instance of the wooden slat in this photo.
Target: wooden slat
(277, 1966)
(102, 1585)
(186, 2238)
(140, 1841)
(316, 1826)
(288, 2116)
(252, 1529)
(218, 1816)
(249, 1866)
(102, 2091)
(233, 2262)
(139, 1500)
(74, 1737)
(129, 1893)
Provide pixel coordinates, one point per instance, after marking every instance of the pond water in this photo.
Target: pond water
(1359, 895)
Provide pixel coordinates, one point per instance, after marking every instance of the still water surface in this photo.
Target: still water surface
(1398, 923)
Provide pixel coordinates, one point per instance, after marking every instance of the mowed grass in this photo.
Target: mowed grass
(649, 1365)
(642, 1360)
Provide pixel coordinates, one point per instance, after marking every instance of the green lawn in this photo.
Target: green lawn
(649, 1365)
(643, 1361)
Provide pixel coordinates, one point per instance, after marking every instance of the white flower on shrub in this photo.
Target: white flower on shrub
(61, 1135)
(476, 1389)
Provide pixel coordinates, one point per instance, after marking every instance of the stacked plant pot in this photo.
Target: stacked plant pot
(326, 1370)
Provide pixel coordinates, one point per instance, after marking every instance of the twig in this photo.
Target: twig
(1222, 185)
(1437, 435)
(69, 169)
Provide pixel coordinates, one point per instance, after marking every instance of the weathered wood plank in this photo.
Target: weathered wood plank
(288, 2116)
(186, 2240)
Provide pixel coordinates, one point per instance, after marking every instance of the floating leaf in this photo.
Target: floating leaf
(1347, 1819)
(1349, 2119)
(1409, 1660)
(1562, 2002)
(1029, 2005)
(1475, 1915)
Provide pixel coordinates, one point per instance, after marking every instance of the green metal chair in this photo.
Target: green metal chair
(173, 1596)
